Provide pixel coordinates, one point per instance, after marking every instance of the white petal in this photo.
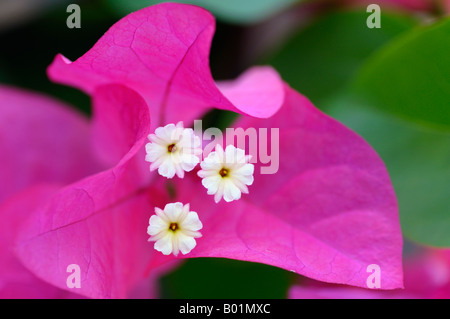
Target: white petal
(156, 164)
(191, 222)
(188, 162)
(183, 214)
(211, 183)
(231, 192)
(219, 193)
(154, 151)
(158, 236)
(167, 169)
(212, 162)
(173, 211)
(156, 225)
(246, 179)
(165, 133)
(247, 169)
(219, 151)
(176, 243)
(186, 243)
(239, 184)
(164, 245)
(179, 171)
(161, 215)
(208, 173)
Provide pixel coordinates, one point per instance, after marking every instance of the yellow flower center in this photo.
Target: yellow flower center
(173, 226)
(224, 172)
(171, 148)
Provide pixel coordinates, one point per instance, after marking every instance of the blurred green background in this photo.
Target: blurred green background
(391, 85)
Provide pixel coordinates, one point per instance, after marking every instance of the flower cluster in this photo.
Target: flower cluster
(226, 174)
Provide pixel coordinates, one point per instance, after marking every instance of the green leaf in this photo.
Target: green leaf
(320, 60)
(411, 77)
(218, 278)
(233, 11)
(399, 102)
(418, 161)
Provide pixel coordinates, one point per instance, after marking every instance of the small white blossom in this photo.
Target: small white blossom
(226, 173)
(174, 229)
(172, 150)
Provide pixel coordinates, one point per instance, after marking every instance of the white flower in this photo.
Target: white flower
(172, 150)
(174, 229)
(226, 173)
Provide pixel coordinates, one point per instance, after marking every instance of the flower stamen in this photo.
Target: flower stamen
(172, 148)
(224, 172)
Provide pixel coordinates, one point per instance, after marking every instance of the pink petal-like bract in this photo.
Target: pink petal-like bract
(15, 280)
(427, 276)
(96, 222)
(162, 52)
(41, 141)
(328, 213)
(44, 145)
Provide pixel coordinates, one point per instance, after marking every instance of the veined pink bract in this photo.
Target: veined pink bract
(327, 213)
